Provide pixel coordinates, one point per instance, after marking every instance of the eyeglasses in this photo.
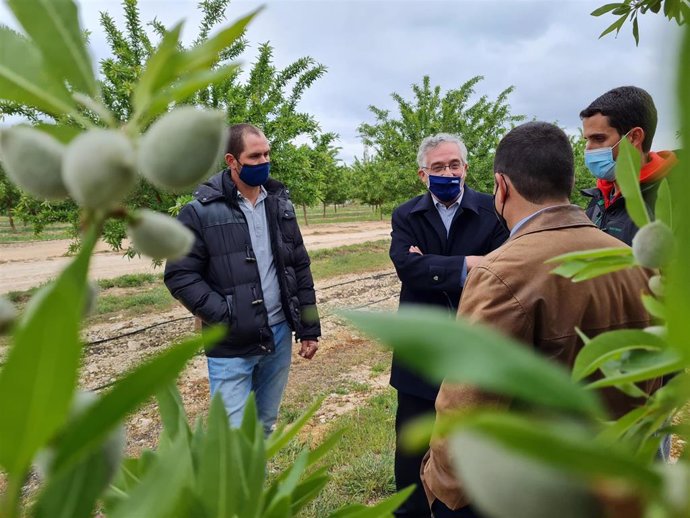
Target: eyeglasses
(439, 168)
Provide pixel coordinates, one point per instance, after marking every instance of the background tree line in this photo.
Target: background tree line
(304, 157)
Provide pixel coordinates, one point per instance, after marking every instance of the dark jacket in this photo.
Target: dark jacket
(218, 281)
(434, 278)
(614, 219)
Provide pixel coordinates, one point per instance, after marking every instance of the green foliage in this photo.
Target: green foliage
(394, 139)
(629, 10)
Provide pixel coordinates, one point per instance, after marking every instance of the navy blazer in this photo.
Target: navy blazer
(435, 278)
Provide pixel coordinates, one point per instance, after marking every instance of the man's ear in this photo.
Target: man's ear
(229, 159)
(636, 136)
(422, 176)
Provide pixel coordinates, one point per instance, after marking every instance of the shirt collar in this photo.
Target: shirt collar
(440, 205)
(527, 218)
(262, 195)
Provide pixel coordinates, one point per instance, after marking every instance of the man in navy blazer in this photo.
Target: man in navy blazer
(436, 239)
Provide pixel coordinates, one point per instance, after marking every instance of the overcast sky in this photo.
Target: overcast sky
(548, 50)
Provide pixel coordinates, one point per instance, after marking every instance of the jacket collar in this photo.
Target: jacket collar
(554, 218)
(470, 201)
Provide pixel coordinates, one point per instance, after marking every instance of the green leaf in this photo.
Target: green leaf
(615, 430)
(220, 479)
(642, 367)
(612, 344)
(74, 493)
(308, 489)
(654, 306)
(604, 9)
(129, 392)
(38, 379)
(97, 108)
(280, 438)
(159, 492)
(185, 88)
(250, 419)
(458, 351)
(64, 134)
(615, 26)
(562, 445)
(204, 56)
(53, 25)
(628, 166)
(662, 208)
(570, 268)
(618, 251)
(23, 79)
(160, 70)
(602, 267)
(636, 31)
(172, 411)
(382, 509)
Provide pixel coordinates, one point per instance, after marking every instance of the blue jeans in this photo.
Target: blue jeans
(265, 375)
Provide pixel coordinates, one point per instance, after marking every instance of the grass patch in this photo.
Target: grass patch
(361, 464)
(130, 280)
(26, 233)
(154, 298)
(363, 257)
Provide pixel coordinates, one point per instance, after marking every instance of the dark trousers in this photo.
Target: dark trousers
(441, 511)
(407, 465)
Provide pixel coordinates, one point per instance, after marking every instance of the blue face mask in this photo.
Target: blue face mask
(255, 175)
(445, 188)
(600, 162)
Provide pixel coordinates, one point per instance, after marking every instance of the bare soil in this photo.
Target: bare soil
(27, 264)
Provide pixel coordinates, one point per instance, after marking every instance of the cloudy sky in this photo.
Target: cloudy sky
(548, 50)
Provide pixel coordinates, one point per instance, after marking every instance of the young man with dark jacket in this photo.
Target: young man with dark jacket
(249, 270)
(437, 238)
(624, 112)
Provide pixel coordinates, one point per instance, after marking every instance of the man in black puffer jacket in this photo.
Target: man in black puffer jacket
(248, 269)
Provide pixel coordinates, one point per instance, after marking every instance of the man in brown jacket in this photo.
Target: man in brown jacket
(514, 290)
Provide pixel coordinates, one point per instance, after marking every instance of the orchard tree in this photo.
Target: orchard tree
(9, 198)
(337, 186)
(395, 138)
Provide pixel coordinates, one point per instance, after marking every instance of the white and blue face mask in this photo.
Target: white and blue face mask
(600, 161)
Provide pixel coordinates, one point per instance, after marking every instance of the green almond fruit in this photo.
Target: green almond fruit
(653, 245)
(656, 285)
(32, 159)
(503, 483)
(159, 236)
(181, 148)
(98, 168)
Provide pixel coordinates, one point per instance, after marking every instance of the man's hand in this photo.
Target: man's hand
(415, 250)
(308, 349)
(473, 260)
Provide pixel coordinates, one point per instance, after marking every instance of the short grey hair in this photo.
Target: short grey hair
(436, 140)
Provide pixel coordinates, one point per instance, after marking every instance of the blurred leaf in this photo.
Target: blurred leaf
(172, 411)
(416, 434)
(125, 396)
(38, 379)
(628, 167)
(618, 251)
(64, 134)
(186, 87)
(381, 510)
(53, 25)
(561, 444)
(286, 486)
(641, 367)
(615, 430)
(204, 56)
(74, 493)
(250, 419)
(458, 351)
(23, 79)
(662, 208)
(604, 9)
(160, 70)
(308, 489)
(280, 438)
(220, 480)
(159, 493)
(609, 345)
(603, 266)
(654, 306)
(96, 107)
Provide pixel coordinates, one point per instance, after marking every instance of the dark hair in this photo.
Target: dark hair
(538, 159)
(236, 135)
(626, 107)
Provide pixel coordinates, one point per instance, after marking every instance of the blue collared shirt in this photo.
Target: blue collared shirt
(447, 214)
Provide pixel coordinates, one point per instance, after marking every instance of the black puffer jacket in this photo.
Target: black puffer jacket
(217, 283)
(614, 219)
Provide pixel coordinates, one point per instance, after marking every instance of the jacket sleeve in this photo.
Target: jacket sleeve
(311, 326)
(429, 272)
(184, 277)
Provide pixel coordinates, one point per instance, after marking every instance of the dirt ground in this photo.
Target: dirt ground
(24, 265)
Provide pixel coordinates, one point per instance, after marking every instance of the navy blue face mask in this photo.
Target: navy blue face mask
(255, 175)
(445, 188)
(499, 215)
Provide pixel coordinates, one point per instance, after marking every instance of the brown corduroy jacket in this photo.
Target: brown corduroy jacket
(514, 291)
